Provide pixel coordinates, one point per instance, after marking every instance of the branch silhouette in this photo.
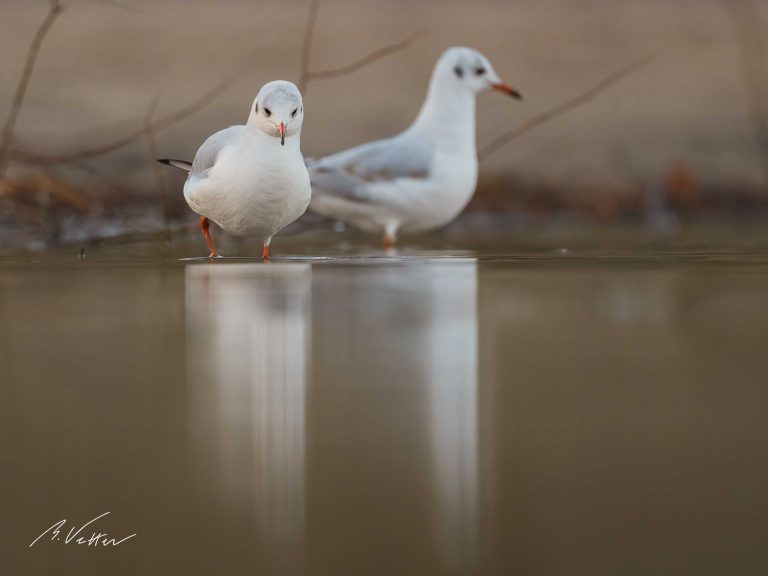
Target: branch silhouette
(165, 122)
(564, 108)
(306, 75)
(34, 158)
(306, 44)
(366, 60)
(55, 9)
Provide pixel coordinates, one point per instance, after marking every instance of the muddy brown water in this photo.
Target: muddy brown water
(418, 414)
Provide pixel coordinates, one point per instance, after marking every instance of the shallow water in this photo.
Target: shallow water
(417, 413)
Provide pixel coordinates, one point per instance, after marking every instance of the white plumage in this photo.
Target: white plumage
(422, 178)
(251, 179)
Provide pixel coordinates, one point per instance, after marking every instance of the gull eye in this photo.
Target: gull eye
(267, 112)
(293, 114)
(479, 71)
(256, 108)
(459, 72)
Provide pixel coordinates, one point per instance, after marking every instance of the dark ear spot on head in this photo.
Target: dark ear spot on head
(256, 108)
(458, 71)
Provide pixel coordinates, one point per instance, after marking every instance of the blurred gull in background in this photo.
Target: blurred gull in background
(425, 176)
(242, 180)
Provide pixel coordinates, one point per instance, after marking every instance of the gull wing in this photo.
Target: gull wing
(349, 174)
(206, 156)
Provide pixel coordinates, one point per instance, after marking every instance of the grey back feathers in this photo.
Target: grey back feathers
(211, 148)
(208, 153)
(347, 173)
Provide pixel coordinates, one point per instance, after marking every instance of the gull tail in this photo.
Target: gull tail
(180, 164)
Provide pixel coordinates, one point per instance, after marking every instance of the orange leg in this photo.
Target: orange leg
(265, 252)
(204, 225)
(390, 234)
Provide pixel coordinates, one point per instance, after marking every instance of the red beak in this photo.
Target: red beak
(507, 89)
(281, 129)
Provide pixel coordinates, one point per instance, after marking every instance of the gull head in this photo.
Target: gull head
(278, 110)
(467, 69)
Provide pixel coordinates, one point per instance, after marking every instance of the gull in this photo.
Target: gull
(251, 179)
(422, 178)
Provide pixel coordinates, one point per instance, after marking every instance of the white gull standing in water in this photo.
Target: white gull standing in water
(251, 180)
(422, 178)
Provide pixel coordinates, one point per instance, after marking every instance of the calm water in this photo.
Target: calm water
(399, 416)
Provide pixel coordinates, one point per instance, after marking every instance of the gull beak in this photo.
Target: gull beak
(281, 129)
(507, 89)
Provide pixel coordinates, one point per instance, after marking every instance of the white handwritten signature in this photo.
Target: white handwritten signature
(95, 538)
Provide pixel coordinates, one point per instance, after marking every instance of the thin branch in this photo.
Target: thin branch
(365, 60)
(563, 108)
(209, 96)
(204, 100)
(165, 122)
(306, 44)
(306, 75)
(21, 88)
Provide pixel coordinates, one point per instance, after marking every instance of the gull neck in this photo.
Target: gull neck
(448, 113)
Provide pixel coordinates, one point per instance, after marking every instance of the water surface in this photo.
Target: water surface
(409, 414)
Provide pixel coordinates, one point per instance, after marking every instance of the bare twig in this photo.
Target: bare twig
(165, 122)
(563, 108)
(21, 88)
(365, 60)
(306, 44)
(306, 75)
(209, 96)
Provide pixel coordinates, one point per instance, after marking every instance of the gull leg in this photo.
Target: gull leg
(265, 252)
(204, 226)
(390, 235)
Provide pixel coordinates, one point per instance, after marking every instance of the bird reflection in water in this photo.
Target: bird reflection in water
(394, 406)
(247, 356)
(393, 414)
(452, 360)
